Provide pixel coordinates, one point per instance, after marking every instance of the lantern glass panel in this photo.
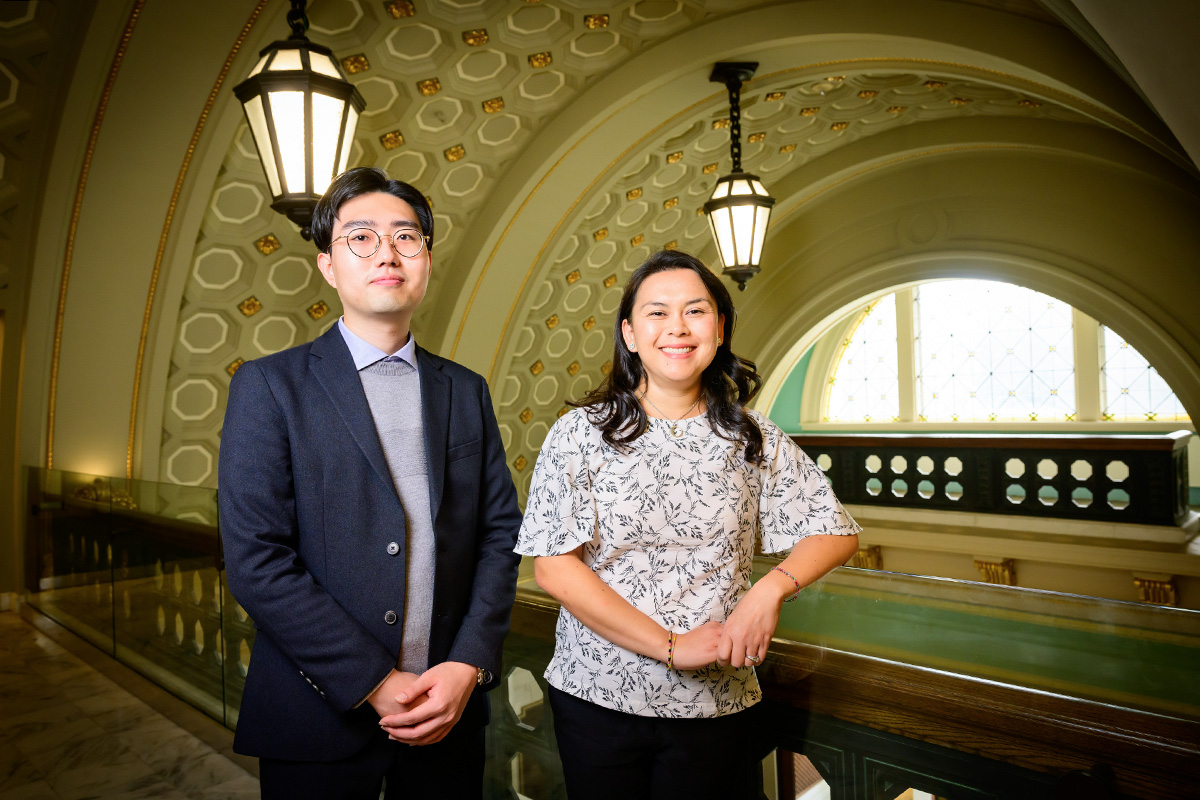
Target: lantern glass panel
(743, 231)
(758, 187)
(258, 67)
(760, 233)
(721, 190)
(286, 60)
(262, 140)
(287, 109)
(348, 139)
(722, 225)
(740, 187)
(323, 64)
(327, 124)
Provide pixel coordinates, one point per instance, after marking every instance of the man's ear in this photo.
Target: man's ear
(325, 264)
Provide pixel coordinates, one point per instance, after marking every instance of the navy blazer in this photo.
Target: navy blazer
(308, 508)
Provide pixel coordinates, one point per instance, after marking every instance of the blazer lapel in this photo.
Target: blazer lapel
(331, 362)
(435, 412)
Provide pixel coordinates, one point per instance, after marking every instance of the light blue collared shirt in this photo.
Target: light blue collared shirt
(365, 354)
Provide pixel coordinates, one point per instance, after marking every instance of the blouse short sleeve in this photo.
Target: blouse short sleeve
(560, 513)
(796, 500)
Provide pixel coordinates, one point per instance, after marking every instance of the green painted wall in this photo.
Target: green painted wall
(786, 411)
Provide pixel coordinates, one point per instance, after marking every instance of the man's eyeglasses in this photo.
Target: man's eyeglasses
(364, 242)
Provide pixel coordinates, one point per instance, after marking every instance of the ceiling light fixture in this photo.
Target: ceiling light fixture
(302, 113)
(740, 207)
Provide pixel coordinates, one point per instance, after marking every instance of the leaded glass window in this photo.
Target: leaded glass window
(1133, 390)
(993, 352)
(863, 386)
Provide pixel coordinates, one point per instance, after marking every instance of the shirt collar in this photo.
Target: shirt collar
(365, 354)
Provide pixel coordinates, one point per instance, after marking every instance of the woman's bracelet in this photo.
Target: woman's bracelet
(670, 649)
(793, 577)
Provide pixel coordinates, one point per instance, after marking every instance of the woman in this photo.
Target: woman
(643, 513)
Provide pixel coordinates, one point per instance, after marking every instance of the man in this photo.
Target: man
(368, 520)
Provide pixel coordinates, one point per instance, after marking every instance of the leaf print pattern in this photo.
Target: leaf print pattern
(670, 524)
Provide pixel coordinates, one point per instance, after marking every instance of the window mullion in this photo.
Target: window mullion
(906, 356)
(1088, 400)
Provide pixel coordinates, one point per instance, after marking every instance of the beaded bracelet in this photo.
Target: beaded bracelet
(793, 577)
(671, 650)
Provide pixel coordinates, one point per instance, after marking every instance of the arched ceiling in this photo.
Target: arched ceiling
(561, 143)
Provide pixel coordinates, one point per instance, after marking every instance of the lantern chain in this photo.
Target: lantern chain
(297, 18)
(735, 123)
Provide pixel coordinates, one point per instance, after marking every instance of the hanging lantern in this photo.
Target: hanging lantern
(302, 113)
(740, 207)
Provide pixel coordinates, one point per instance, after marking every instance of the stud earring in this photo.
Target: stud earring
(718, 341)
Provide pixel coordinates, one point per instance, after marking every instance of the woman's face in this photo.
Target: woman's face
(673, 326)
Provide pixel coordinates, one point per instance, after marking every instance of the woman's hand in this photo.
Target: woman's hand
(748, 630)
(698, 648)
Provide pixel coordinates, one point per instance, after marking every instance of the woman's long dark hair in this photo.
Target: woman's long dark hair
(727, 384)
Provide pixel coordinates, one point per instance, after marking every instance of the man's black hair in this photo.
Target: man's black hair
(364, 180)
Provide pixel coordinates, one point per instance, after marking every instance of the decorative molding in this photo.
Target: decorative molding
(870, 557)
(1159, 590)
(1002, 572)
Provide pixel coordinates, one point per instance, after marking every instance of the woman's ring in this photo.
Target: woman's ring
(753, 659)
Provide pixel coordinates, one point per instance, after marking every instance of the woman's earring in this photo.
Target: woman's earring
(632, 347)
(718, 341)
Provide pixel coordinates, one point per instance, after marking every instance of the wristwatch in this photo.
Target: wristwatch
(482, 677)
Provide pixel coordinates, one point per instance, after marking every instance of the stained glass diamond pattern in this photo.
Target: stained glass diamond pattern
(864, 386)
(988, 351)
(1133, 390)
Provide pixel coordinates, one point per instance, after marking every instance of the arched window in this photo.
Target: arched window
(980, 352)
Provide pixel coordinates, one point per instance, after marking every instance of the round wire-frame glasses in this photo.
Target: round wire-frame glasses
(364, 242)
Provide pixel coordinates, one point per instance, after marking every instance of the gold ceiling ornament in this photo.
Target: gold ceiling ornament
(606, 368)
(959, 101)
(594, 21)
(399, 9)
(670, 203)
(839, 126)
(539, 60)
(318, 309)
(935, 84)
(250, 306)
(429, 87)
(526, 415)
(521, 461)
(429, 200)
(564, 410)
(455, 153)
(573, 368)
(719, 124)
(810, 111)
(552, 321)
(867, 94)
(536, 367)
(610, 281)
(633, 194)
(1027, 103)
(755, 138)
(636, 240)
(475, 38)
(897, 109)
(868, 558)
(600, 235)
(774, 97)
(232, 366)
(675, 158)
(1003, 572)
(493, 105)
(356, 63)
(787, 148)
(267, 244)
(709, 169)
(391, 140)
(671, 245)
(573, 276)
(589, 323)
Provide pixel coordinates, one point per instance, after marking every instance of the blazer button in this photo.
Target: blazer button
(393, 548)
(390, 618)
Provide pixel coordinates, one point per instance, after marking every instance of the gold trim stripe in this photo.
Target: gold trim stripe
(76, 208)
(170, 218)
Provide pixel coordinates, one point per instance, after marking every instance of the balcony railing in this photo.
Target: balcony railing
(1136, 479)
(883, 681)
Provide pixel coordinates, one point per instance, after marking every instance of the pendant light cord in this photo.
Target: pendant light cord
(298, 19)
(735, 122)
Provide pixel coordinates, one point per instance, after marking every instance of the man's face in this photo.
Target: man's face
(386, 286)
